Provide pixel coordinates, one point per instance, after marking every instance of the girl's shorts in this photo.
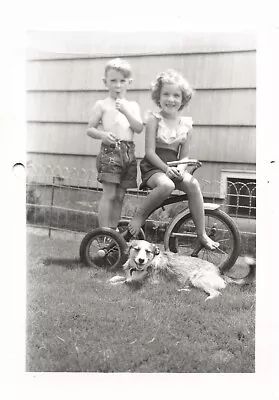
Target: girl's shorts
(118, 164)
(147, 169)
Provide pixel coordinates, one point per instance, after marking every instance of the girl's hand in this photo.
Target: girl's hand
(174, 173)
(108, 138)
(120, 106)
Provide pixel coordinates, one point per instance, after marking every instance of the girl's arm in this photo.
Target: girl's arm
(150, 144)
(184, 153)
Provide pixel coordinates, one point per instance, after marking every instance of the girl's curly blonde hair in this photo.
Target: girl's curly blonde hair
(171, 76)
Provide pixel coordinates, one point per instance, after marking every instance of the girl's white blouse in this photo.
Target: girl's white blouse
(166, 135)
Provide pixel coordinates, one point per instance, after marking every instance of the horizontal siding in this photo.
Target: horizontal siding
(82, 172)
(208, 143)
(229, 70)
(208, 107)
(218, 144)
(46, 45)
(64, 80)
(60, 139)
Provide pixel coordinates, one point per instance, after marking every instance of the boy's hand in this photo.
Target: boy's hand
(108, 138)
(120, 106)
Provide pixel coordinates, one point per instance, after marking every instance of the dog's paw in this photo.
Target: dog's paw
(117, 279)
(185, 289)
(249, 260)
(213, 295)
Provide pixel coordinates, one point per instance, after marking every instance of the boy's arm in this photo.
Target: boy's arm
(92, 128)
(132, 114)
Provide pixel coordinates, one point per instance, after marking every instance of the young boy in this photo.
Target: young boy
(116, 162)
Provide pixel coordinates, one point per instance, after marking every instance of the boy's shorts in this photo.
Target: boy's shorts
(118, 164)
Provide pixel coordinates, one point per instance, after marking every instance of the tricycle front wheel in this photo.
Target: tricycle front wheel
(103, 248)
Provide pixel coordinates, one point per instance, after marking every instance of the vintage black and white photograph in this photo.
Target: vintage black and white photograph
(141, 201)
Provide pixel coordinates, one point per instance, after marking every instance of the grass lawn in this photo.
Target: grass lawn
(77, 321)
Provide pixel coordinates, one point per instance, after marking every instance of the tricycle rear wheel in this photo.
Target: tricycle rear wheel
(181, 238)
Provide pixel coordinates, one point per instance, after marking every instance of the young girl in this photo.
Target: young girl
(167, 138)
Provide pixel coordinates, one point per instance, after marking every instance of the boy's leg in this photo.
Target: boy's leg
(163, 187)
(118, 205)
(110, 205)
(191, 186)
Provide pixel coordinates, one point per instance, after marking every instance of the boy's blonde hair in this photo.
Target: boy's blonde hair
(120, 65)
(172, 76)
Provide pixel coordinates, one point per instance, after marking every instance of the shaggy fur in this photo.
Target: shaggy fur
(147, 262)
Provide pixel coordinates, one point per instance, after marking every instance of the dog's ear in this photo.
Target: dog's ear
(156, 251)
(129, 246)
(132, 243)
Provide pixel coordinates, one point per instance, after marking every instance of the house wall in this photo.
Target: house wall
(62, 88)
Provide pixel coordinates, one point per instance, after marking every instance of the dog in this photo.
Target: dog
(146, 261)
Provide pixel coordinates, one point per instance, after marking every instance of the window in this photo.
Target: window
(241, 197)
(238, 188)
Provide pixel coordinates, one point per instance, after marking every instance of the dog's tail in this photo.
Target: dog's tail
(249, 278)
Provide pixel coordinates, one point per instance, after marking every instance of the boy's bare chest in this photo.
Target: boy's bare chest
(111, 117)
(116, 122)
(114, 117)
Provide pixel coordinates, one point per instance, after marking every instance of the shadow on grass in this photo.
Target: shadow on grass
(76, 263)
(70, 263)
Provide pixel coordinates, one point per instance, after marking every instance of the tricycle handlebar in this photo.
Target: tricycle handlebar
(195, 163)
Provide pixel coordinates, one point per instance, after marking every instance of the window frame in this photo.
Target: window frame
(235, 174)
(226, 174)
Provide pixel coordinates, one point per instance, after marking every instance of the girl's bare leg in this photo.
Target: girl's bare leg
(191, 186)
(163, 187)
(110, 205)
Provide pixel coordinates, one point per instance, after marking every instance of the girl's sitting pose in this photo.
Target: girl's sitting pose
(167, 138)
